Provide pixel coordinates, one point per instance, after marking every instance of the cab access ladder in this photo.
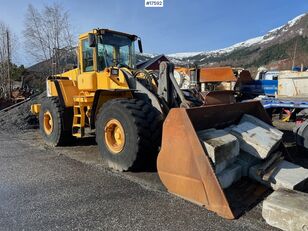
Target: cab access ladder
(82, 110)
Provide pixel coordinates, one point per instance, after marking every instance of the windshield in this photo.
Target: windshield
(115, 50)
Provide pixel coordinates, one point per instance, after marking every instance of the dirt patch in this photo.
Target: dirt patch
(20, 117)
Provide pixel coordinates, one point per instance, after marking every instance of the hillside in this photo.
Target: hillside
(275, 49)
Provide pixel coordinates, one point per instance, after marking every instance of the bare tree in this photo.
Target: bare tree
(5, 61)
(48, 33)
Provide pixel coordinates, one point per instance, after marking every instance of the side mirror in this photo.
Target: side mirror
(140, 45)
(92, 40)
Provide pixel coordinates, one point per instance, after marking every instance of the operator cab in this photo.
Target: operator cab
(106, 48)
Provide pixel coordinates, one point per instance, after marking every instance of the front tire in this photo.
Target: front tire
(128, 133)
(53, 119)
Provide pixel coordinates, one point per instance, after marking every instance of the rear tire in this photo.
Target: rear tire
(55, 122)
(141, 125)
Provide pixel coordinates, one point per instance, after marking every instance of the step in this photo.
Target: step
(78, 135)
(77, 125)
(84, 99)
(77, 115)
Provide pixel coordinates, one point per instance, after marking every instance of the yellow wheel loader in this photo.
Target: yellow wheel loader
(126, 108)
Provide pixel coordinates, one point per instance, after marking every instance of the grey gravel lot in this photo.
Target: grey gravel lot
(70, 188)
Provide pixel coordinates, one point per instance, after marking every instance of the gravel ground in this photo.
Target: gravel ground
(42, 189)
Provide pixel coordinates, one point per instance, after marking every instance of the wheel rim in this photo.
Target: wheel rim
(114, 136)
(48, 123)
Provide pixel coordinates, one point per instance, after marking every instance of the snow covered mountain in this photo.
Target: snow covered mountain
(275, 46)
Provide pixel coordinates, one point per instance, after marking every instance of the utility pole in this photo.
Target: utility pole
(8, 63)
(295, 49)
(294, 54)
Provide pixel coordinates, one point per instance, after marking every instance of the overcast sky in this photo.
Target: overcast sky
(180, 26)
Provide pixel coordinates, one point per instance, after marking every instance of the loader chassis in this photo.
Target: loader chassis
(101, 94)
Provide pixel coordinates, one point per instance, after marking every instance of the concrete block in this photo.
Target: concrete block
(246, 161)
(258, 122)
(220, 146)
(223, 165)
(286, 210)
(285, 176)
(228, 129)
(255, 140)
(230, 175)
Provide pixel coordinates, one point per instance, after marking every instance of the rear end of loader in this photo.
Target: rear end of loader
(185, 167)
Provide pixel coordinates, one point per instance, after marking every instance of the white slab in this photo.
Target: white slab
(255, 140)
(258, 122)
(246, 161)
(230, 175)
(286, 176)
(220, 146)
(286, 210)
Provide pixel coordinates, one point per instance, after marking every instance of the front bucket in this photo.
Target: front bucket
(184, 167)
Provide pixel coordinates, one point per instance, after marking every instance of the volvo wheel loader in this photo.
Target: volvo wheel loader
(126, 108)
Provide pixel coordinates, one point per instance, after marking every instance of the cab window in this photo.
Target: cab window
(115, 50)
(87, 56)
(105, 56)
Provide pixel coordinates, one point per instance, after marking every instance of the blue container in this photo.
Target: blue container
(296, 69)
(260, 87)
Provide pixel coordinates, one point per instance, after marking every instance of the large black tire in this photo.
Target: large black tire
(141, 123)
(61, 129)
(301, 135)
